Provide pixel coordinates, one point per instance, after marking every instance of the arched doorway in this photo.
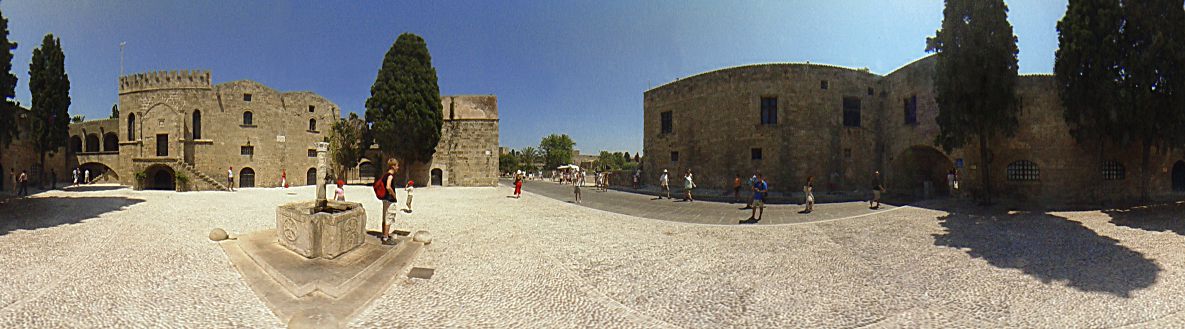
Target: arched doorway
(366, 171)
(917, 167)
(92, 143)
(160, 177)
(437, 177)
(99, 172)
(110, 142)
(1179, 176)
(311, 177)
(76, 144)
(247, 177)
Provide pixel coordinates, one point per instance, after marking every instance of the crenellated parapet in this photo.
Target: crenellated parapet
(183, 79)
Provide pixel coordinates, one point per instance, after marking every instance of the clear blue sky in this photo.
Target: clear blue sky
(578, 68)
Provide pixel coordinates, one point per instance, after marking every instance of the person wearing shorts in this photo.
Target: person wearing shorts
(878, 186)
(759, 190)
(389, 199)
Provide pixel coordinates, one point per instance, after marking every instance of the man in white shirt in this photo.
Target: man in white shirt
(665, 182)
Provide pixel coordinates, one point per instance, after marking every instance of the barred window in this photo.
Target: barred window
(769, 110)
(1023, 170)
(851, 112)
(674, 156)
(247, 150)
(1113, 170)
(667, 122)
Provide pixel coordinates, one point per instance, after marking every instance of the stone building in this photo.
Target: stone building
(467, 154)
(177, 130)
(795, 120)
(21, 154)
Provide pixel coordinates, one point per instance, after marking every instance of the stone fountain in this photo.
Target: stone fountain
(319, 268)
(320, 228)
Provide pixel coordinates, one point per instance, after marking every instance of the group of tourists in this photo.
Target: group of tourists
(80, 176)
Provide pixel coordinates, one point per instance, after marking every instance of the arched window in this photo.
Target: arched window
(131, 126)
(76, 144)
(312, 124)
(1023, 170)
(92, 143)
(110, 142)
(1113, 170)
(247, 119)
(197, 124)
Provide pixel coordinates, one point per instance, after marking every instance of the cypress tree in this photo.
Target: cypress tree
(404, 106)
(8, 107)
(50, 88)
(975, 78)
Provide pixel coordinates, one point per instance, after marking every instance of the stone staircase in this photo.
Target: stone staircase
(193, 172)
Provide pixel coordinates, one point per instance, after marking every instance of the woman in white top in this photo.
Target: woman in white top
(688, 184)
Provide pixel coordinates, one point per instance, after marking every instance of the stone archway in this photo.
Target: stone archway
(1179, 176)
(160, 177)
(915, 168)
(311, 177)
(247, 177)
(99, 172)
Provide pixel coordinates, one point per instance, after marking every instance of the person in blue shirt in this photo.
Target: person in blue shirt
(760, 188)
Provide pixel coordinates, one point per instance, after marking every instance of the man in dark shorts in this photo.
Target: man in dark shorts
(878, 186)
(760, 188)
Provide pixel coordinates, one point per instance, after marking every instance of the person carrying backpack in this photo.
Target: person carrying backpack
(383, 191)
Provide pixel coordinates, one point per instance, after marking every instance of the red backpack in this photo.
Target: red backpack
(380, 187)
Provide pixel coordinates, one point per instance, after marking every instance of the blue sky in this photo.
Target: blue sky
(574, 67)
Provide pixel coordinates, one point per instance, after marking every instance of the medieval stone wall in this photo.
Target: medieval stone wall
(716, 123)
(22, 154)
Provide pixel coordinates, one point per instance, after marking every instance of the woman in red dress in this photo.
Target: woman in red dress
(518, 185)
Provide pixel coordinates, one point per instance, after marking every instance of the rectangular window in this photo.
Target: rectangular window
(311, 108)
(911, 110)
(823, 84)
(247, 150)
(755, 154)
(769, 110)
(847, 153)
(246, 97)
(312, 153)
(851, 111)
(162, 145)
(674, 156)
(870, 93)
(667, 123)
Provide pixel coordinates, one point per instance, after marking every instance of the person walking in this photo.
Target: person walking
(664, 182)
(759, 191)
(878, 187)
(518, 185)
(24, 182)
(86, 176)
(409, 188)
(688, 184)
(284, 178)
(74, 177)
(230, 178)
(636, 174)
(736, 189)
(752, 190)
(950, 182)
(808, 191)
(339, 193)
(576, 186)
(389, 199)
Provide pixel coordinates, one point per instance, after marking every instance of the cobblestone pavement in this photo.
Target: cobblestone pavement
(120, 258)
(699, 212)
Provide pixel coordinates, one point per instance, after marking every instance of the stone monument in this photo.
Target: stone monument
(320, 228)
(319, 268)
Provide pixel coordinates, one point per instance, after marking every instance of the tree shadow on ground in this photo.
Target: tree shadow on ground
(1049, 248)
(1158, 218)
(43, 212)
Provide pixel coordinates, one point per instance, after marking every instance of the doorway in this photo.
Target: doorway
(1179, 176)
(437, 177)
(311, 177)
(162, 145)
(247, 177)
(161, 178)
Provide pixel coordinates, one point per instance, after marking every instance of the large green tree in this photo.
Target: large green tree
(1152, 78)
(8, 107)
(347, 143)
(404, 106)
(557, 150)
(1119, 68)
(975, 78)
(50, 88)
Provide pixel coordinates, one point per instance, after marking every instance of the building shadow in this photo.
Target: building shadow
(44, 212)
(92, 188)
(1159, 218)
(1049, 248)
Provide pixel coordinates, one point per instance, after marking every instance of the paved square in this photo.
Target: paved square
(122, 258)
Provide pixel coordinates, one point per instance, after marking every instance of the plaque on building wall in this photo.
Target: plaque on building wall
(279, 138)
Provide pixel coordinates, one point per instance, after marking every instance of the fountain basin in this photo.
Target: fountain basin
(320, 233)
